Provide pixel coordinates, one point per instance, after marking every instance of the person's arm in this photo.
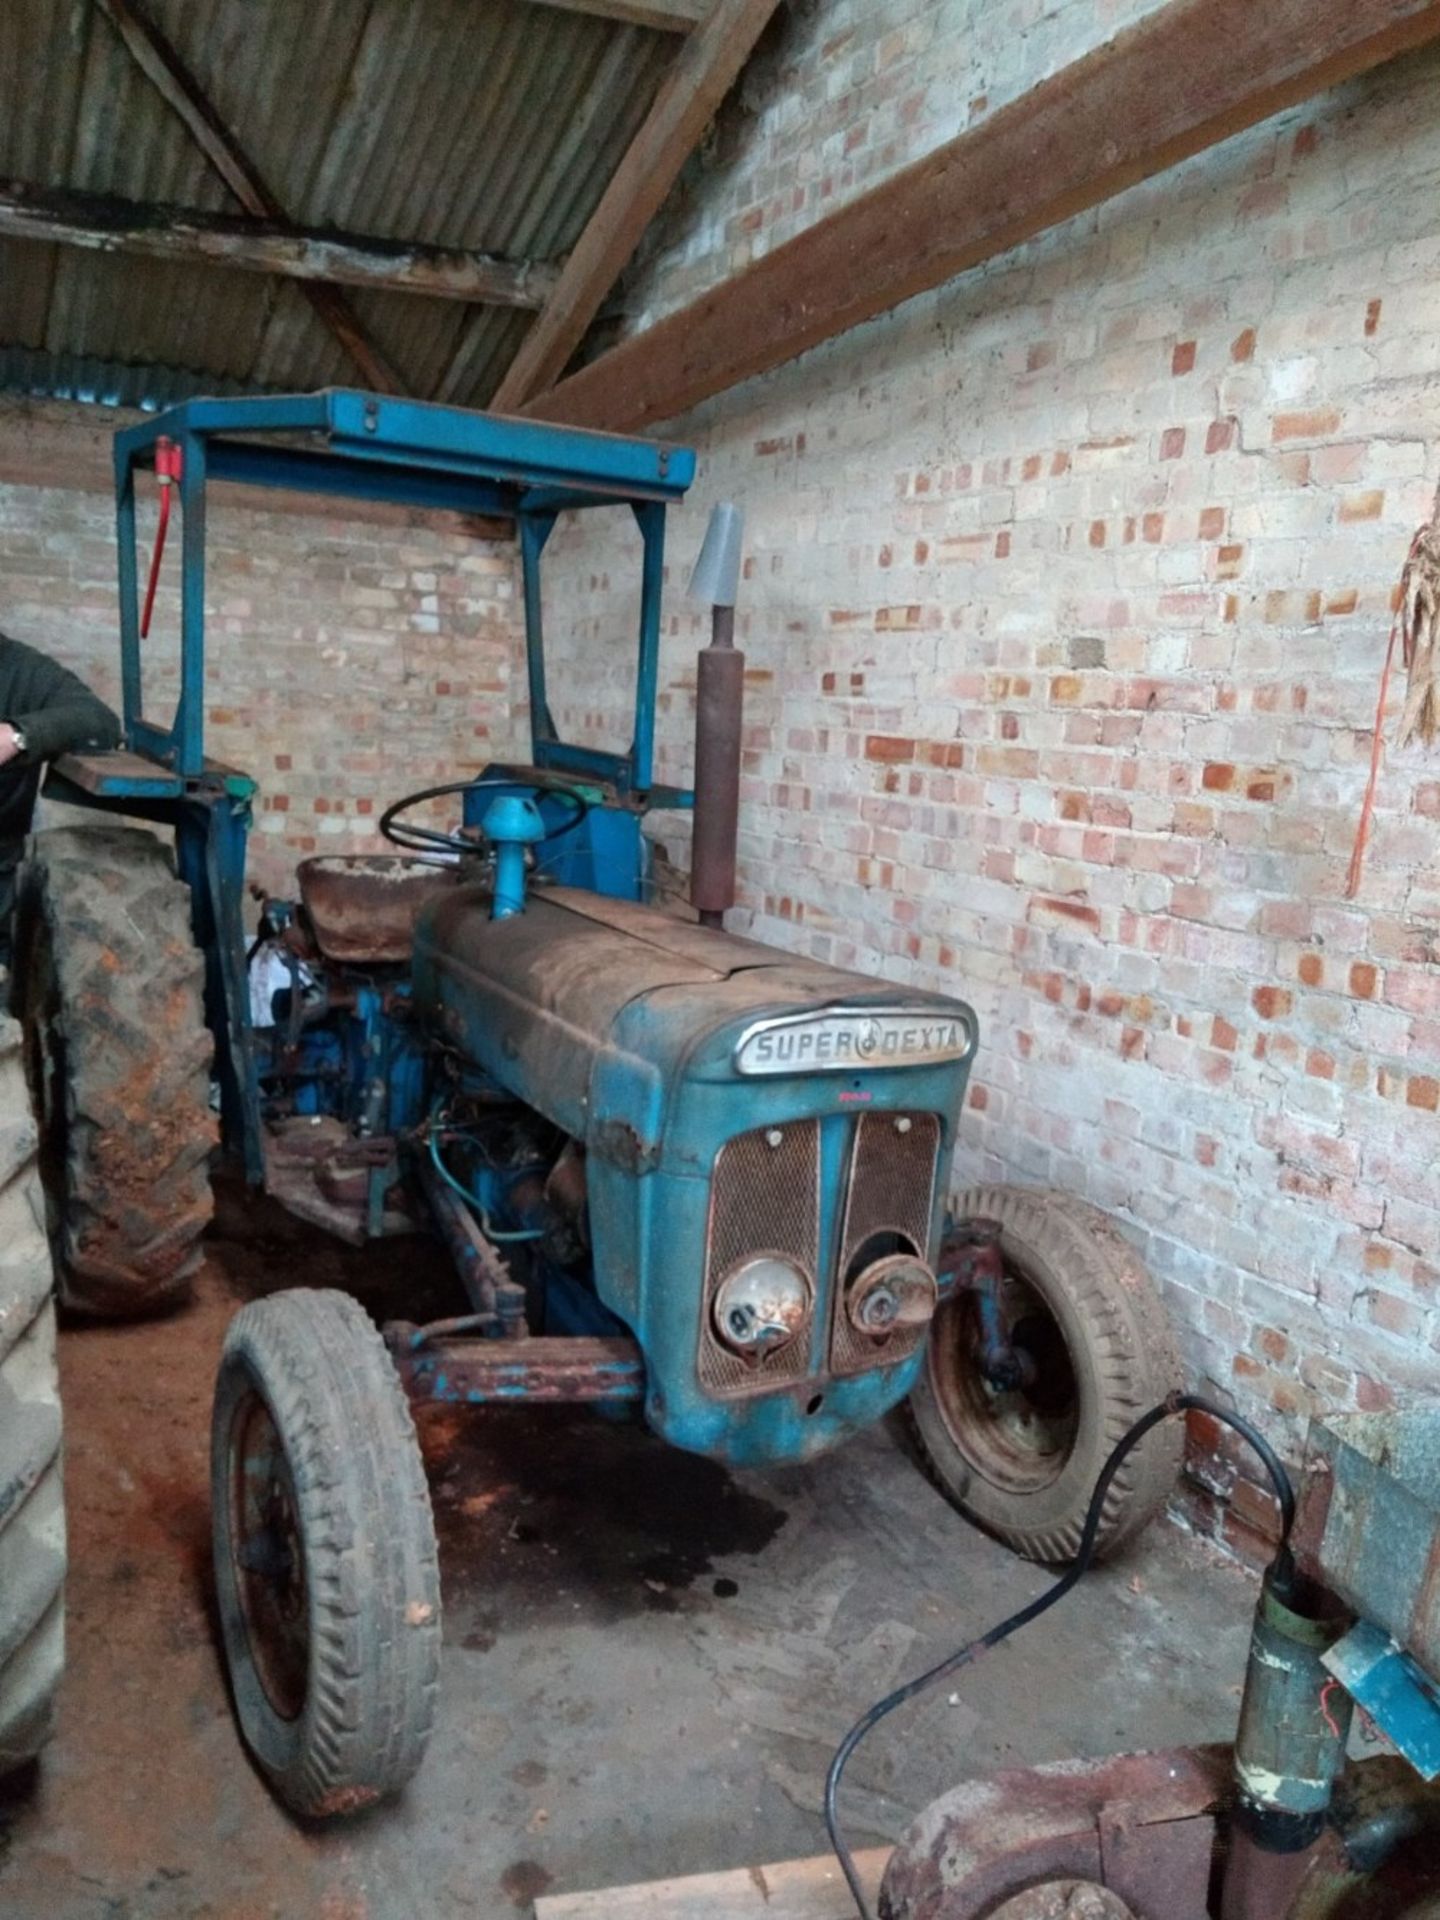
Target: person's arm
(51, 710)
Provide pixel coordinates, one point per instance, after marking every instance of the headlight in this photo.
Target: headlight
(899, 1291)
(761, 1304)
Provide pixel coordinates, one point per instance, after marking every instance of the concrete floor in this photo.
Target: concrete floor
(648, 1663)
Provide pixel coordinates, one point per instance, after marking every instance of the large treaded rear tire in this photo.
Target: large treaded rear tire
(325, 1561)
(32, 1495)
(110, 987)
(1112, 1333)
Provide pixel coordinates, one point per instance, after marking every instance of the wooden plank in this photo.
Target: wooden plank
(159, 231)
(177, 86)
(668, 16)
(1177, 81)
(703, 73)
(793, 1890)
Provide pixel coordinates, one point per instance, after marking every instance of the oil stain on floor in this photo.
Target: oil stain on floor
(540, 1512)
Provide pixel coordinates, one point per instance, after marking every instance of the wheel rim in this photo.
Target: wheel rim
(267, 1557)
(1021, 1439)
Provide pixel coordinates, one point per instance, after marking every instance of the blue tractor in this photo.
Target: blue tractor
(674, 1171)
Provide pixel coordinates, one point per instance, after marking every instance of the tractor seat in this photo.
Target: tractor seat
(362, 907)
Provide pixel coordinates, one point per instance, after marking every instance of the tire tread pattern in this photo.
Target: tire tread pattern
(32, 1509)
(139, 1127)
(369, 1544)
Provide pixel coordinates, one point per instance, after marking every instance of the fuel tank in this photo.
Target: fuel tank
(737, 1104)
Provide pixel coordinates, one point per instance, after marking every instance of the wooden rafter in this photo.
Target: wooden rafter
(177, 86)
(702, 74)
(668, 16)
(103, 223)
(1179, 80)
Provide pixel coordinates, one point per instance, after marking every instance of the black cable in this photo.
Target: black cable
(1282, 1569)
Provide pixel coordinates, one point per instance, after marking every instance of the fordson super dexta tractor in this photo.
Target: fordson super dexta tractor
(670, 1167)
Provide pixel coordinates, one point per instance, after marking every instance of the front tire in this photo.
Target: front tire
(325, 1561)
(1023, 1464)
(110, 991)
(32, 1493)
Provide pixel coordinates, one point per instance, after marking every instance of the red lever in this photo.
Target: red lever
(167, 472)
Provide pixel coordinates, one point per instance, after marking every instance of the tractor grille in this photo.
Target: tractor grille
(763, 1199)
(891, 1191)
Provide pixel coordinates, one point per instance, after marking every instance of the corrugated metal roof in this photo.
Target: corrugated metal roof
(490, 124)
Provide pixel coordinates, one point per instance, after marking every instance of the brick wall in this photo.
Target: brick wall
(347, 662)
(1067, 591)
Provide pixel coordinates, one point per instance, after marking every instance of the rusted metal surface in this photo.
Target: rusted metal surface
(322, 1172)
(990, 1839)
(1156, 1830)
(1261, 1884)
(1064, 1900)
(475, 1372)
(1162, 1868)
(363, 906)
(1370, 1521)
(719, 718)
(970, 1253)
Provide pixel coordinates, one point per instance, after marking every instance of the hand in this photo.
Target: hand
(9, 742)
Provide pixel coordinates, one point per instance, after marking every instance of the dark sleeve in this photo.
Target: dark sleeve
(54, 710)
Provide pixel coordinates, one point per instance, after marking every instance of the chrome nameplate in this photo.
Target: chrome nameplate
(841, 1039)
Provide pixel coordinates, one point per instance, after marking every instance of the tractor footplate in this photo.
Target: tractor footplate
(474, 1372)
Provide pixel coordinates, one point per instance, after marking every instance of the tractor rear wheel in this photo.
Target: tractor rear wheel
(110, 987)
(325, 1562)
(32, 1494)
(1080, 1307)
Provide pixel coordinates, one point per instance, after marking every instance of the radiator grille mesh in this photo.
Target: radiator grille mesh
(892, 1187)
(763, 1199)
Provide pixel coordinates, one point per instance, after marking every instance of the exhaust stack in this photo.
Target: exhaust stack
(719, 715)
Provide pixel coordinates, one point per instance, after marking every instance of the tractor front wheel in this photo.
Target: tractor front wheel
(1021, 1458)
(325, 1562)
(110, 988)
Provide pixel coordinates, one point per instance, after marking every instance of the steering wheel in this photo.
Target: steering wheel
(417, 839)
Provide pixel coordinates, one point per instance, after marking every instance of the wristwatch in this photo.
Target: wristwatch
(17, 736)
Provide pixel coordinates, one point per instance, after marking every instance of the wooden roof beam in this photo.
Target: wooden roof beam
(182, 93)
(702, 74)
(667, 16)
(1179, 80)
(106, 224)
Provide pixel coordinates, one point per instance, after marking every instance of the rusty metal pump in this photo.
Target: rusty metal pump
(1279, 1826)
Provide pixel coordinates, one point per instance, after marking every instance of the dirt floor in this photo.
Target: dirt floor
(648, 1662)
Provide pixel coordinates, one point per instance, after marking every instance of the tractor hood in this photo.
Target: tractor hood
(590, 1009)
